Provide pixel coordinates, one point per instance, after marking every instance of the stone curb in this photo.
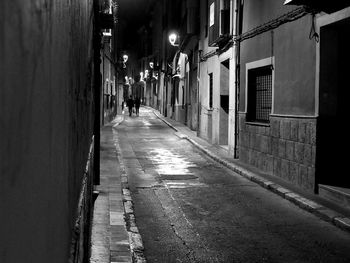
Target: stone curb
(135, 240)
(320, 211)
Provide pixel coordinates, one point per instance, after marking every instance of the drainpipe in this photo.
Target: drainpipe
(237, 30)
(115, 56)
(186, 92)
(103, 86)
(198, 91)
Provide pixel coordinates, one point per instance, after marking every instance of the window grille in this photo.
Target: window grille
(259, 94)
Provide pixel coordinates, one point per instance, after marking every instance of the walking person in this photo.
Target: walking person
(130, 104)
(138, 93)
(137, 105)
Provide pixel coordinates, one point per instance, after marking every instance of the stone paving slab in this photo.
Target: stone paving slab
(110, 238)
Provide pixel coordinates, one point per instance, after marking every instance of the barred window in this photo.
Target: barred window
(259, 94)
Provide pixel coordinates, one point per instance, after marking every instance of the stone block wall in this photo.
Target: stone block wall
(286, 148)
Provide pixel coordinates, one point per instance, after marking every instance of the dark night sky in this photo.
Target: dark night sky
(132, 15)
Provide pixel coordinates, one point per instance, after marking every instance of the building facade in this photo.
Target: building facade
(263, 79)
(289, 106)
(217, 68)
(50, 55)
(277, 131)
(109, 82)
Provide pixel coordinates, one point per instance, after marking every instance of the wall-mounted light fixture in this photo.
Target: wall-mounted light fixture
(125, 58)
(174, 39)
(107, 33)
(151, 65)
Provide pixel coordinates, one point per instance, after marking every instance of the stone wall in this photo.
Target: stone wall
(81, 234)
(46, 124)
(285, 148)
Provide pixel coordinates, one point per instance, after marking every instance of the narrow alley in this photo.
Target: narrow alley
(189, 208)
(169, 131)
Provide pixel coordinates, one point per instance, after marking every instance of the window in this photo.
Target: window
(225, 17)
(212, 14)
(213, 21)
(219, 22)
(259, 94)
(210, 90)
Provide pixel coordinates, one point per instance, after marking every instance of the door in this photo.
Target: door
(332, 130)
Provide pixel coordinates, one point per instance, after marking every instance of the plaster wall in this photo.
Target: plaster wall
(295, 57)
(194, 99)
(161, 93)
(204, 101)
(191, 84)
(224, 91)
(214, 67)
(46, 105)
(232, 139)
(210, 118)
(205, 127)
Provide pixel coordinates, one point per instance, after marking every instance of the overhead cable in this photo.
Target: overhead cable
(268, 26)
(272, 24)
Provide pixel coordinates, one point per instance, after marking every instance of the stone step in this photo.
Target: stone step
(338, 195)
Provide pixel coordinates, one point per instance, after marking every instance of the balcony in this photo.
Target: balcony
(219, 33)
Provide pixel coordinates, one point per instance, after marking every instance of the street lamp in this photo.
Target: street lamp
(174, 39)
(125, 59)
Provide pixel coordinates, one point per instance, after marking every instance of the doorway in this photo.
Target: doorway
(224, 101)
(334, 86)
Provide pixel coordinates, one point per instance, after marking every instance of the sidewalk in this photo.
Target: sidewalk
(317, 205)
(115, 237)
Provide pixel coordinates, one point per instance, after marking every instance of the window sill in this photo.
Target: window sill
(257, 124)
(209, 112)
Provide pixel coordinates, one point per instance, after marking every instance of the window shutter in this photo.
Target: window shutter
(214, 15)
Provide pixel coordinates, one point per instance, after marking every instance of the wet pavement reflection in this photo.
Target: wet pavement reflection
(189, 208)
(169, 163)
